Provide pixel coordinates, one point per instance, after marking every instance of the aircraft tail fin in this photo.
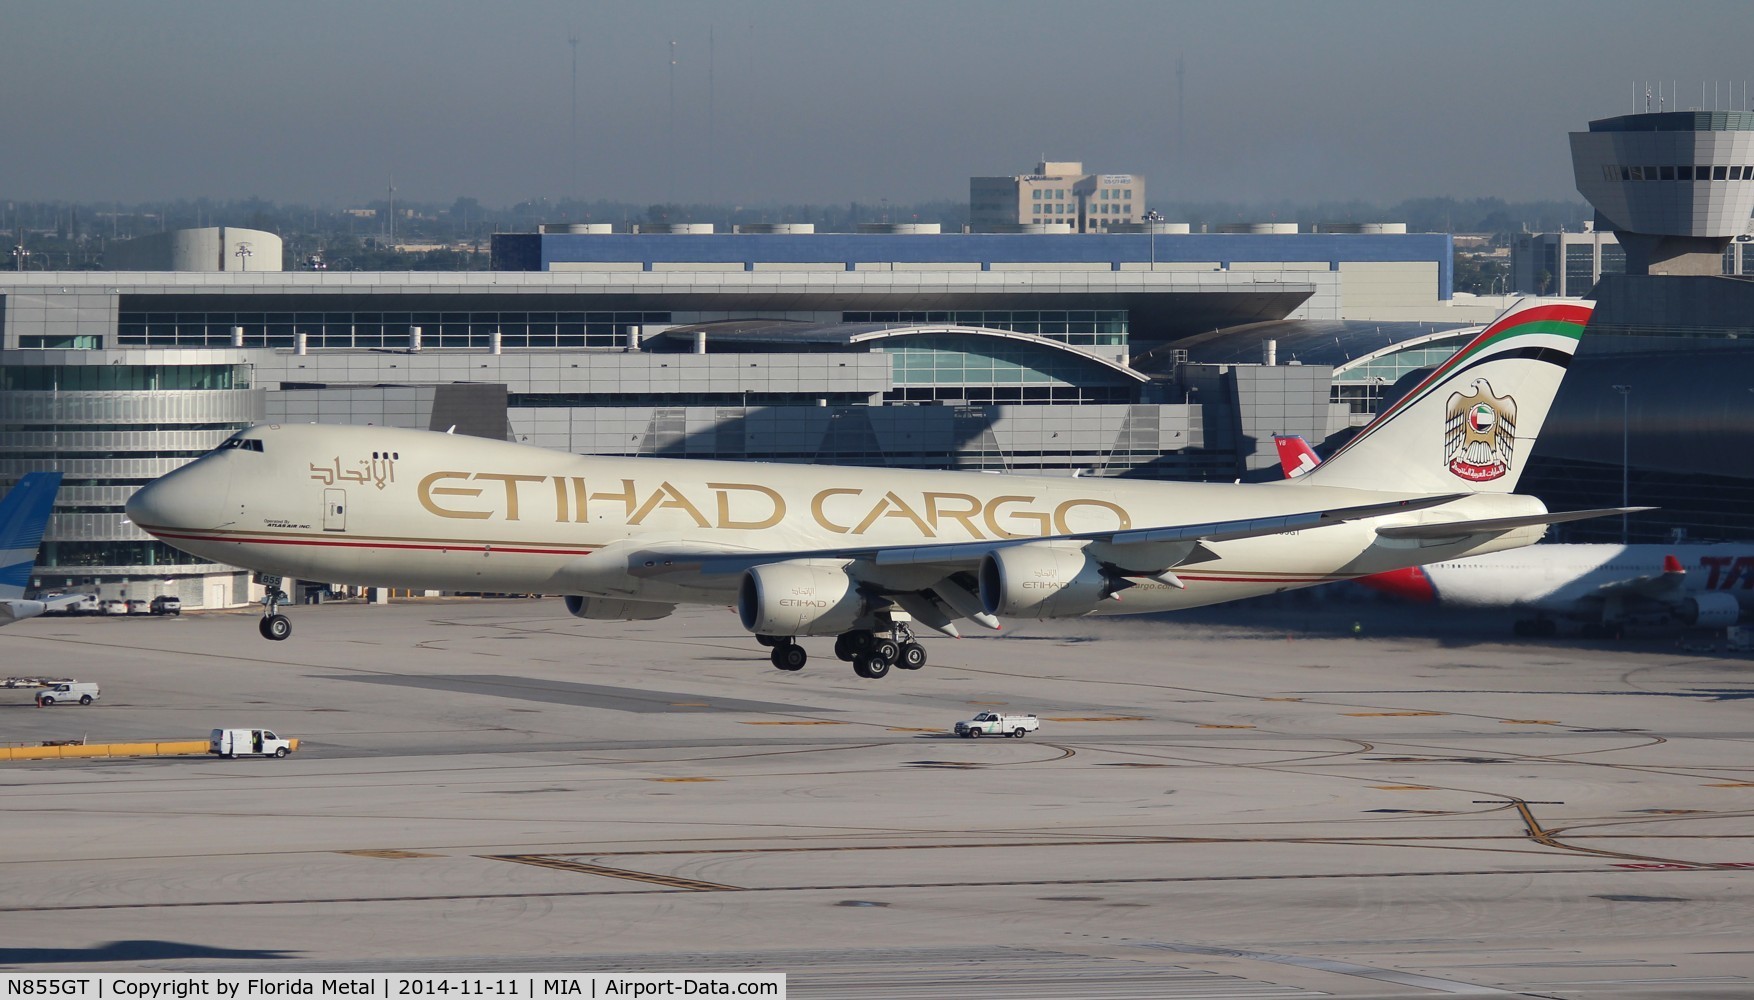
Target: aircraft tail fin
(1472, 422)
(1296, 457)
(24, 515)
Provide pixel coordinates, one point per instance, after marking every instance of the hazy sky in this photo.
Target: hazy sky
(819, 101)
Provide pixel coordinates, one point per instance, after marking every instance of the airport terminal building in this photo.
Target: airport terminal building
(1010, 352)
(1138, 354)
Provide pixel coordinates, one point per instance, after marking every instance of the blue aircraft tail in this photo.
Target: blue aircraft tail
(24, 515)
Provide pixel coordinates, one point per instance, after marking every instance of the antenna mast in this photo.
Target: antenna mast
(573, 183)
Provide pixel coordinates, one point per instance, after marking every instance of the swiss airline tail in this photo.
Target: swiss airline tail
(1470, 425)
(1296, 457)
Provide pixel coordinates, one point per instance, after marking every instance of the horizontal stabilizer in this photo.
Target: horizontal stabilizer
(1487, 526)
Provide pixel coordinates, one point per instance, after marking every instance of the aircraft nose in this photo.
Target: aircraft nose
(190, 497)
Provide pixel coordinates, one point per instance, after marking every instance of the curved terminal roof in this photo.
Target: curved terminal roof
(755, 336)
(1340, 343)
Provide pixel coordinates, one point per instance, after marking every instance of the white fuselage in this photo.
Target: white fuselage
(389, 507)
(1564, 579)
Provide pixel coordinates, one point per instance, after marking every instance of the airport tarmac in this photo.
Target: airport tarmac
(1239, 804)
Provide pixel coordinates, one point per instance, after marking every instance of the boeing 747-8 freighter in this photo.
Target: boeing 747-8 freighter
(868, 555)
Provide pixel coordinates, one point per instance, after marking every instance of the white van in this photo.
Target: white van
(249, 743)
(84, 692)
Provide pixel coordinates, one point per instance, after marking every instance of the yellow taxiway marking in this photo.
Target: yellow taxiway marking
(1281, 699)
(1389, 715)
(667, 881)
(795, 722)
(913, 729)
(689, 704)
(684, 779)
(1733, 784)
(1096, 718)
(989, 703)
(1221, 725)
(392, 855)
(1527, 722)
(1404, 788)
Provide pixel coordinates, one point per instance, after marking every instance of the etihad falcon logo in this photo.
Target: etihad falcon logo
(1479, 433)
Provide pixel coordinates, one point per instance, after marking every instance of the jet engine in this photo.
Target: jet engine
(1711, 610)
(614, 610)
(1041, 581)
(801, 597)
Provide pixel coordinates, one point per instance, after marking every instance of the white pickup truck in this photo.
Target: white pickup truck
(66, 692)
(997, 724)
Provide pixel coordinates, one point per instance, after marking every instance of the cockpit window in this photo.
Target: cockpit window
(243, 444)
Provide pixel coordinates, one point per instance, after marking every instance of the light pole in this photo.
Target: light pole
(243, 254)
(1625, 392)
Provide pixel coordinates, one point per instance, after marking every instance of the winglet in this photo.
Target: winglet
(1673, 565)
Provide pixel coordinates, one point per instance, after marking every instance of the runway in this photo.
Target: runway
(1232, 805)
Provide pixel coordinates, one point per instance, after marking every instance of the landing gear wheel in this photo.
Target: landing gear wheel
(885, 650)
(913, 656)
(790, 656)
(872, 667)
(843, 647)
(275, 627)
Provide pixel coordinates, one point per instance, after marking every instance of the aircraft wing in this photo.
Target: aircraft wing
(1490, 525)
(958, 556)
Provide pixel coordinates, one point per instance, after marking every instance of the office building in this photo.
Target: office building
(1057, 197)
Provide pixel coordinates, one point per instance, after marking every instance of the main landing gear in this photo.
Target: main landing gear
(871, 653)
(786, 654)
(273, 625)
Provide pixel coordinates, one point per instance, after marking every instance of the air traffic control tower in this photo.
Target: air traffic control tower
(1675, 187)
(1656, 406)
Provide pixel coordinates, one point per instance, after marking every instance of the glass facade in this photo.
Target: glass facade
(1361, 387)
(61, 342)
(1083, 327)
(131, 378)
(471, 329)
(1580, 266)
(964, 369)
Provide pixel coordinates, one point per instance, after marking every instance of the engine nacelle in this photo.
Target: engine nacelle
(801, 597)
(1711, 610)
(610, 609)
(1041, 580)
